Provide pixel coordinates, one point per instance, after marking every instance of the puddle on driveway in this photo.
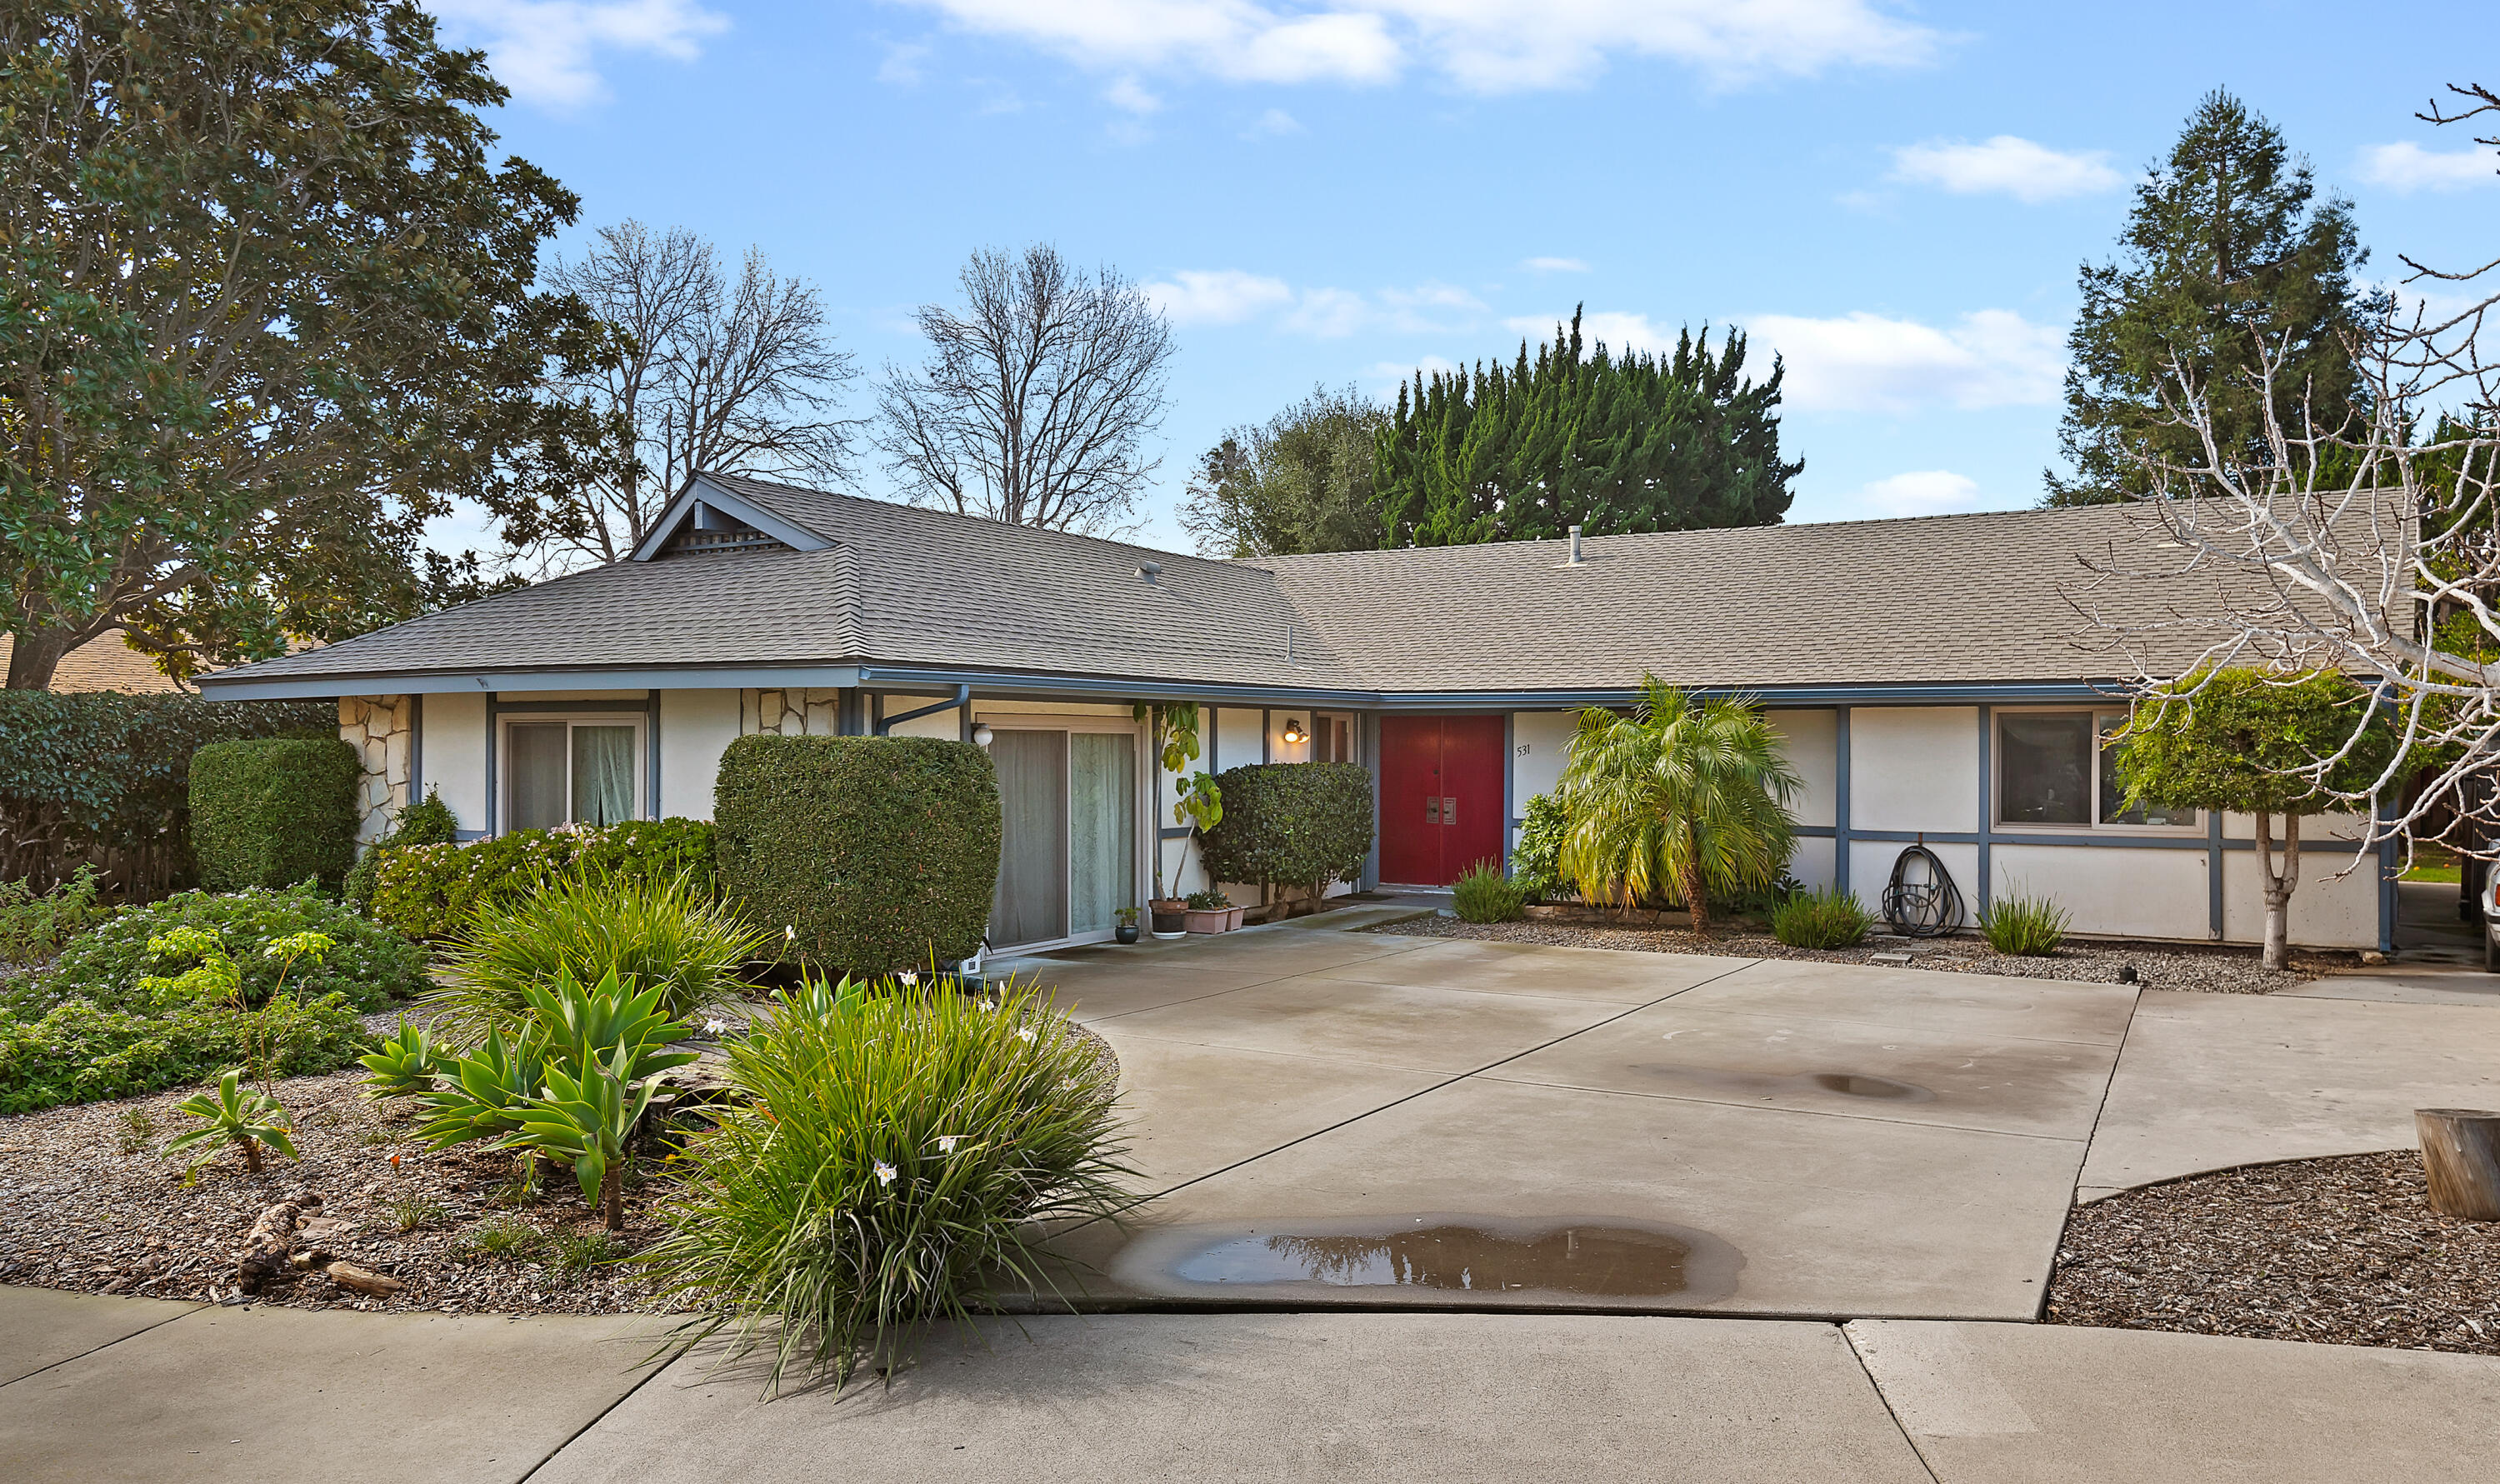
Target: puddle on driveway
(1440, 1259)
(1706, 1082)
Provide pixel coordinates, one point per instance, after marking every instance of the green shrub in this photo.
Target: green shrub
(1821, 919)
(873, 853)
(1536, 862)
(99, 769)
(1301, 824)
(427, 822)
(243, 1116)
(2025, 926)
(80, 1052)
(34, 925)
(366, 966)
(884, 1158)
(430, 890)
(668, 934)
(1484, 895)
(274, 811)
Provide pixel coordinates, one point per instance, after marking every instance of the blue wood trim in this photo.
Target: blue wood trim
(237, 685)
(1266, 728)
(1367, 745)
(1172, 832)
(2213, 874)
(1840, 799)
(702, 490)
(1987, 809)
(2389, 899)
(651, 743)
(961, 700)
(494, 797)
(1509, 793)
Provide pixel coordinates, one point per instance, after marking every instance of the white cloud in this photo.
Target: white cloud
(1921, 492)
(1864, 362)
(2408, 167)
(1330, 313)
(1616, 330)
(1220, 296)
(1274, 123)
(903, 64)
(2028, 172)
(545, 50)
(1485, 46)
(1125, 93)
(1555, 265)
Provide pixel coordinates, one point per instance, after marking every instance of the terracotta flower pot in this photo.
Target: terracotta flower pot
(1211, 919)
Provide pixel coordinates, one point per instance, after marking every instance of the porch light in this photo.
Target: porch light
(982, 736)
(1295, 736)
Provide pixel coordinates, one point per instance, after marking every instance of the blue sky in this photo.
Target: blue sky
(1896, 198)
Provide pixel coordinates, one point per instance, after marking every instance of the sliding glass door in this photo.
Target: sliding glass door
(560, 770)
(1069, 857)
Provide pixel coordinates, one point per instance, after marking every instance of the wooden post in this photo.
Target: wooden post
(2461, 1160)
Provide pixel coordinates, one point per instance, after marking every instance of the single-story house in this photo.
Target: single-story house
(1933, 680)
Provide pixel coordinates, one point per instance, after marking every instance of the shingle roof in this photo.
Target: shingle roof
(1936, 599)
(106, 662)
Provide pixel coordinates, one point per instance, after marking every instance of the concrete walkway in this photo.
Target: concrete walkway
(1335, 1123)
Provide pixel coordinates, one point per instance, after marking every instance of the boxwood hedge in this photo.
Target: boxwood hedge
(870, 854)
(273, 812)
(1296, 824)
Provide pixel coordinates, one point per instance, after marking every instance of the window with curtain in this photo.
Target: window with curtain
(560, 772)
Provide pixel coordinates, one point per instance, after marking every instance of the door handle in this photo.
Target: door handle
(1431, 811)
(1449, 810)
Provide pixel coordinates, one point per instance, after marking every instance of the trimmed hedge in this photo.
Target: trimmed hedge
(430, 890)
(274, 811)
(367, 965)
(1301, 824)
(105, 778)
(874, 853)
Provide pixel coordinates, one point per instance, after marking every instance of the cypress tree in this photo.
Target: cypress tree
(2223, 252)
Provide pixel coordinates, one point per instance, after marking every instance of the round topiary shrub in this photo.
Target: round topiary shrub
(274, 811)
(369, 966)
(1301, 824)
(870, 854)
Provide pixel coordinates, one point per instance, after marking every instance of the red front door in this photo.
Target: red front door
(1441, 796)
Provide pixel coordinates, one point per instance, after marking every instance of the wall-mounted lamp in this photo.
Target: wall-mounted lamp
(982, 736)
(1295, 736)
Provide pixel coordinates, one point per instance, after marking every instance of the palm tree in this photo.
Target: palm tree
(1684, 796)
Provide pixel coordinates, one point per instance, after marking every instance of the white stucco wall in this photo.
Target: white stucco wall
(1914, 767)
(1810, 741)
(696, 726)
(946, 725)
(1280, 750)
(2111, 890)
(2326, 911)
(1811, 864)
(1235, 736)
(455, 754)
(1871, 867)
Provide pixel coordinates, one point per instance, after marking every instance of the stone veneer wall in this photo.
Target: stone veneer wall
(791, 712)
(381, 729)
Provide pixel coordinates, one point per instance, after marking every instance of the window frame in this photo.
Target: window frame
(638, 719)
(2104, 720)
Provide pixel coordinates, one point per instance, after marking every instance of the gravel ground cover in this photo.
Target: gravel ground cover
(2342, 1251)
(87, 1204)
(2167, 966)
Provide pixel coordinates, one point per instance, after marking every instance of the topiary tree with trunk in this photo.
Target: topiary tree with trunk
(2259, 742)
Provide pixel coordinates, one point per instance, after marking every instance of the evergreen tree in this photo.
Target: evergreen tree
(1301, 481)
(2223, 254)
(1583, 435)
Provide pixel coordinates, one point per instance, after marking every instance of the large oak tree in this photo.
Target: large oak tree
(266, 308)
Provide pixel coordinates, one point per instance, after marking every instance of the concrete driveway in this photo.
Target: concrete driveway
(1328, 1117)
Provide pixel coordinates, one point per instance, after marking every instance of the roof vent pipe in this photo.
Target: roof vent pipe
(1150, 571)
(1575, 547)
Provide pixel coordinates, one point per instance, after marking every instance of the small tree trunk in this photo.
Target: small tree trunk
(250, 1154)
(611, 1195)
(33, 657)
(1696, 899)
(2278, 887)
(2461, 1160)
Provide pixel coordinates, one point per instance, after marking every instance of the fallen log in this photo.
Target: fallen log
(2461, 1160)
(348, 1275)
(268, 1245)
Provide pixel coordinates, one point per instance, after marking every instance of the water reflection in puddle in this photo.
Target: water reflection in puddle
(1767, 1084)
(1461, 1256)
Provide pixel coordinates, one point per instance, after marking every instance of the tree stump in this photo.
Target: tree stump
(2461, 1160)
(268, 1245)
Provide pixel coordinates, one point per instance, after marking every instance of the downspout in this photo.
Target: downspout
(963, 698)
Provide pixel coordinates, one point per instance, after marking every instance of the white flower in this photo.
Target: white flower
(907, 976)
(790, 934)
(884, 1173)
(714, 1027)
(946, 1143)
(1024, 1033)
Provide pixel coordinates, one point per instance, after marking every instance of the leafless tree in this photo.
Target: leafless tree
(1035, 398)
(2373, 548)
(733, 378)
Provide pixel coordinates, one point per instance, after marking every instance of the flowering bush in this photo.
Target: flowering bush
(884, 1155)
(110, 963)
(430, 890)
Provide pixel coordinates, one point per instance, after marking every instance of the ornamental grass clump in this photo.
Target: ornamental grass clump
(1484, 895)
(672, 934)
(878, 1166)
(2025, 925)
(1821, 919)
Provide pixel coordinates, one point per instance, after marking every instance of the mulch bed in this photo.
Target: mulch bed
(2166, 966)
(2341, 1251)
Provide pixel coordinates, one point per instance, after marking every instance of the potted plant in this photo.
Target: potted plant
(1198, 803)
(1211, 912)
(1127, 931)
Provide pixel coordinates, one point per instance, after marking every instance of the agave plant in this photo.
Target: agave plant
(245, 1116)
(483, 1091)
(585, 1120)
(405, 1064)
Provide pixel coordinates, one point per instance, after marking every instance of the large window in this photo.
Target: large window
(2059, 769)
(570, 770)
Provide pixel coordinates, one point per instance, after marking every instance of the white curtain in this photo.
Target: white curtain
(603, 774)
(1102, 830)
